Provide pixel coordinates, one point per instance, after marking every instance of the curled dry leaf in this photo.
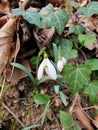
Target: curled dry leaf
(80, 114)
(17, 74)
(3, 20)
(23, 4)
(5, 6)
(95, 121)
(6, 43)
(84, 2)
(43, 38)
(55, 2)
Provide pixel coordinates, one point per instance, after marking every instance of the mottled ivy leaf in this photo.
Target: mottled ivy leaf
(93, 64)
(86, 39)
(41, 99)
(66, 49)
(92, 90)
(76, 77)
(29, 15)
(91, 9)
(66, 120)
(51, 18)
(77, 29)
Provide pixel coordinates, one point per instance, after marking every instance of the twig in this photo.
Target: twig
(2, 88)
(85, 58)
(10, 111)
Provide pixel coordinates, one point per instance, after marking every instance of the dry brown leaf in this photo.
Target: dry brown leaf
(15, 49)
(5, 6)
(6, 43)
(84, 2)
(95, 121)
(43, 38)
(3, 20)
(80, 114)
(23, 4)
(17, 74)
(87, 21)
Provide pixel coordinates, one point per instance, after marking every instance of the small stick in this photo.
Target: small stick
(2, 88)
(10, 111)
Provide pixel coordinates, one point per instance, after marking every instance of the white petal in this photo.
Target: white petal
(63, 60)
(60, 65)
(41, 69)
(51, 70)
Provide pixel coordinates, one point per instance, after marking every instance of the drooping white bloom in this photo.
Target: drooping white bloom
(63, 60)
(60, 64)
(48, 67)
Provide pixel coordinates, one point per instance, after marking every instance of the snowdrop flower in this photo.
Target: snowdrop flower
(60, 64)
(48, 67)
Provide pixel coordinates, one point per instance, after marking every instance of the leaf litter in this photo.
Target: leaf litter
(19, 41)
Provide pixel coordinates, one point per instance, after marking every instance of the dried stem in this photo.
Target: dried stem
(10, 111)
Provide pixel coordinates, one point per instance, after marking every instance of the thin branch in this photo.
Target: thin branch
(2, 88)
(10, 111)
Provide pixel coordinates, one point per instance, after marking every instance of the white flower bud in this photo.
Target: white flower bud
(48, 67)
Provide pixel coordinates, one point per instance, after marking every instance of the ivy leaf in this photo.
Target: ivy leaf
(77, 29)
(91, 9)
(93, 64)
(76, 77)
(86, 39)
(41, 99)
(57, 19)
(92, 90)
(66, 120)
(66, 49)
(29, 15)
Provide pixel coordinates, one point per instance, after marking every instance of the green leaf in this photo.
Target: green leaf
(93, 64)
(30, 16)
(55, 50)
(86, 39)
(57, 19)
(92, 90)
(41, 99)
(63, 97)
(56, 88)
(77, 29)
(34, 60)
(91, 9)
(66, 49)
(76, 77)
(23, 68)
(66, 120)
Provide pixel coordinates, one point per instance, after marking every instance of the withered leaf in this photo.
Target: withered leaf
(80, 114)
(44, 37)
(95, 121)
(17, 74)
(6, 43)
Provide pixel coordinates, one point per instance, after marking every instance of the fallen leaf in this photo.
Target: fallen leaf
(44, 37)
(6, 43)
(5, 6)
(54, 2)
(17, 74)
(95, 121)
(80, 114)
(84, 2)
(3, 20)
(23, 4)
